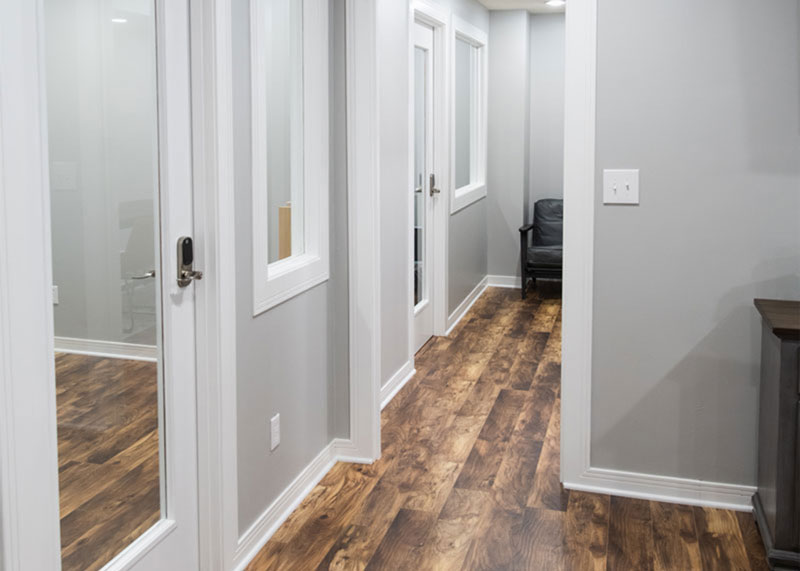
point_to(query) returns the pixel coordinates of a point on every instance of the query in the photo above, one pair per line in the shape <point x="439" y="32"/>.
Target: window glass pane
<point x="464" y="118"/>
<point x="285" y="128"/>
<point x="100" y="62"/>
<point x="420" y="139"/>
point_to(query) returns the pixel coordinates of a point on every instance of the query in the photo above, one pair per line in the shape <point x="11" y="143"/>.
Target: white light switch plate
<point x="621" y="186"/>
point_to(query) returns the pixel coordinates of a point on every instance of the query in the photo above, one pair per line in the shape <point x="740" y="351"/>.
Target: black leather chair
<point x="542" y="255"/>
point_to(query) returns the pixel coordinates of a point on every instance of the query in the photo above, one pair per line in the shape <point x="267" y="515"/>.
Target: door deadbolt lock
<point x="433" y="189"/>
<point x="186" y="273"/>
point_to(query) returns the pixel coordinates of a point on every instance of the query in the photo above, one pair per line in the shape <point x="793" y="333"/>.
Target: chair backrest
<point x="548" y="222"/>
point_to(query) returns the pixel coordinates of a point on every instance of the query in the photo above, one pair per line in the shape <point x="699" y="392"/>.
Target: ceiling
<point x="535" y="6"/>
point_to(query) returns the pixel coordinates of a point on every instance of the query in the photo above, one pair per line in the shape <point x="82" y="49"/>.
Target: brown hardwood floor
<point x="107" y="456"/>
<point x="469" y="474"/>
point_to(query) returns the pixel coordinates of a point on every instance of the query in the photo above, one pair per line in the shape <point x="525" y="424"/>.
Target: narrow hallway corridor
<point x="469" y="476"/>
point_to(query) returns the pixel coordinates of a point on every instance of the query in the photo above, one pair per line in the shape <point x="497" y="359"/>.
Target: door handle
<point x="433" y="189"/>
<point x="186" y="271"/>
<point x="147" y="275"/>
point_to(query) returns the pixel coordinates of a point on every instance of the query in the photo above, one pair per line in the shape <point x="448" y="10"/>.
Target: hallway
<point x="468" y="478"/>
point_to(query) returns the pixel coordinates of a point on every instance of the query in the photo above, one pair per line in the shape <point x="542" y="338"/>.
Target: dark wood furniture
<point x="542" y="253"/>
<point x="777" y="501"/>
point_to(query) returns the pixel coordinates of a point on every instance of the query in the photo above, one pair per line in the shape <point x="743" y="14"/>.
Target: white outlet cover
<point x="274" y="432"/>
<point x="621" y="186"/>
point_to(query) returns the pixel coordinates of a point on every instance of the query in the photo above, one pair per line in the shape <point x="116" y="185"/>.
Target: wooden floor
<point x="107" y="456"/>
<point x="469" y="474"/>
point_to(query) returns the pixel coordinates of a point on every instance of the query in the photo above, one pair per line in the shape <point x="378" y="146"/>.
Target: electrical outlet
<point x="275" y="431"/>
<point x="55" y="295"/>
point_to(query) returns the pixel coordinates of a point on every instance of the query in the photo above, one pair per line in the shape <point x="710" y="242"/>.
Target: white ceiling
<point x="535" y="6"/>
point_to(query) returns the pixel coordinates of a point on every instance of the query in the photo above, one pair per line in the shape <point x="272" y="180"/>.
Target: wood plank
<point x="450" y="538"/>
<point x="675" y="537"/>
<point x="721" y="543"/>
<point x="404" y="539"/>
<point x="539" y="541"/>
<point x="630" y="535"/>
<point x="586" y="531"/>
<point x="493" y="546"/>
<point x="547" y="491"/>
<point x="753" y="544"/>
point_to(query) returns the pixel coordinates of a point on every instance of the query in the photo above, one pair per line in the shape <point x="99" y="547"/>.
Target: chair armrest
<point x="525" y="229"/>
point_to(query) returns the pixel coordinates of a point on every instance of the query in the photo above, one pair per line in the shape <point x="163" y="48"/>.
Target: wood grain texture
<point x="469" y="474"/>
<point x="675" y="537"/>
<point x="107" y="456"/>
<point x="721" y="542"/>
<point x="630" y="535"/>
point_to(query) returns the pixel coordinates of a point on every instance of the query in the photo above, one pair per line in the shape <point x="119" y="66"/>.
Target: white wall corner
<point x="397" y="381"/>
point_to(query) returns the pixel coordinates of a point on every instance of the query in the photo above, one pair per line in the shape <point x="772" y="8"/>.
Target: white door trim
<point x="28" y="445"/>
<point x="579" y="200"/>
<point x="363" y="205"/>
<point x="29" y="528"/>
<point x="212" y="94"/>
<point x="438" y="18"/>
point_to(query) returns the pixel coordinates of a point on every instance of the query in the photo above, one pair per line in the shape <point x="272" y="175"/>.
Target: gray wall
<point x="547" y="108"/>
<point x="394" y="176"/>
<point x="467" y="235"/>
<point x="290" y="360"/>
<point x="704" y="98"/>
<point x="467" y="261"/>
<point x="509" y="101"/>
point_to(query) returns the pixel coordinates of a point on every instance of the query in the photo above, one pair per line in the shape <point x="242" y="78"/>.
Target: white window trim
<point x="476" y="190"/>
<point x="279" y="281"/>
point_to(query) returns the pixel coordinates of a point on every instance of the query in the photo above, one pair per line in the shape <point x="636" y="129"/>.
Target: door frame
<point x="29" y="496"/>
<point x="580" y="109"/>
<point x="438" y="18"/>
<point x="28" y="449"/>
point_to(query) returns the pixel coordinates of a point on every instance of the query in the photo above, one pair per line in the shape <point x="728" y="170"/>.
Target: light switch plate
<point x="621" y="186"/>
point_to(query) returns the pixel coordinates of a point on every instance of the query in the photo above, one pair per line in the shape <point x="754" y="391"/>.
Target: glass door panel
<point x="420" y="153"/>
<point x="102" y="108"/>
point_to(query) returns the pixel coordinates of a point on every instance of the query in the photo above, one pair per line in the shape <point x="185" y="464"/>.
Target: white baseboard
<point x="109" y="349"/>
<point x="397" y="382"/>
<point x="665" y="489"/>
<point x="256" y="537"/>
<point x="505" y="281"/>
<point x="465" y="305"/>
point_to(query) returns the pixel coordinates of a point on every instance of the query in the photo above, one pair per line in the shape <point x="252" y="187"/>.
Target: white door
<point x="118" y="118"/>
<point x="424" y="188"/>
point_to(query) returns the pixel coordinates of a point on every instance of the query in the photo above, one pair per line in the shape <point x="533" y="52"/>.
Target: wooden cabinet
<point x="777" y="501"/>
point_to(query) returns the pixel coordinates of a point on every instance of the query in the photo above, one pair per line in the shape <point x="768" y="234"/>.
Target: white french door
<point x="111" y="123"/>
<point x="425" y="189"/>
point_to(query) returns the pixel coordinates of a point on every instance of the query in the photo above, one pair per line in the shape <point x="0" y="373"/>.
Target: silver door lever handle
<point x="148" y="275"/>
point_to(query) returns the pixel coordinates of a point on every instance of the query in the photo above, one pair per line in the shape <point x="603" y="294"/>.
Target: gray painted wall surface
<point x="547" y="108"/>
<point x="393" y="42"/>
<point x="711" y="116"/>
<point x="467" y="236"/>
<point x="289" y="359"/>
<point x="467" y="263"/>
<point x="508" y="154"/>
